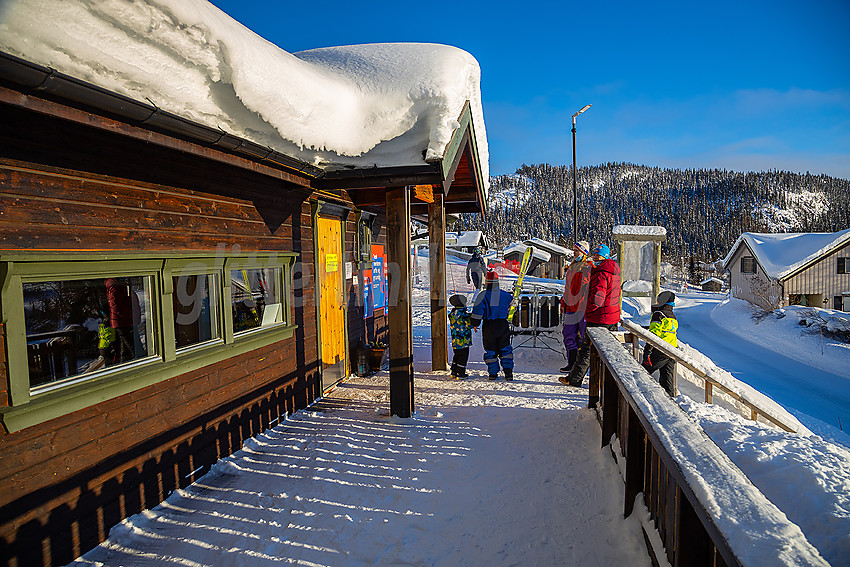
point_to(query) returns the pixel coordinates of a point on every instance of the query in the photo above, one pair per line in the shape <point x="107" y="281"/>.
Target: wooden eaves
<point x="457" y="176"/>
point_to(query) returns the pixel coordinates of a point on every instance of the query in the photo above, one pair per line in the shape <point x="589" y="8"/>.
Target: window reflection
<point x="255" y="298"/>
<point x="195" y="309"/>
<point x="80" y="326"/>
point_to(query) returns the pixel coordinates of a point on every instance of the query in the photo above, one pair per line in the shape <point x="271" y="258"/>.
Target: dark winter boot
<point x="509" y="374"/>
<point x="571" y="359"/>
<point x="493" y="376"/>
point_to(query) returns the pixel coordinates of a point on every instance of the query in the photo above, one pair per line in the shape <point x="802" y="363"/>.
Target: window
<point x="364" y="237"/>
<point x="76" y="327"/>
<point x="844" y="265"/>
<point x="196" y="314"/>
<point x="84" y="328"/>
<point x="748" y="265"/>
<point x="255" y="298"/>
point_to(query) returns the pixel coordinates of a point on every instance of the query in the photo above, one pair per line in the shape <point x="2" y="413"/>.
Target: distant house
<point x="792" y="269"/>
<point x="466" y="241"/>
<point x="513" y="258"/>
<point x="711" y="284"/>
<point x="556" y="265"/>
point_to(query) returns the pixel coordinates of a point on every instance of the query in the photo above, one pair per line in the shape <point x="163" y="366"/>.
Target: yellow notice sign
<point x="331" y="262"/>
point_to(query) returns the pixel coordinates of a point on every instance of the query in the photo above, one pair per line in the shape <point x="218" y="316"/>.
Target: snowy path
<point x="799" y="386"/>
<point x="484" y="473"/>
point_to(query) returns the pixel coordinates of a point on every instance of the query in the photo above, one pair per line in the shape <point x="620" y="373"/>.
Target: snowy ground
<point x="485" y="473"/>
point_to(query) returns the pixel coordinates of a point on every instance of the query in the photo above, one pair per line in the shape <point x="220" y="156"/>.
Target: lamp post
<point x="575" y="189"/>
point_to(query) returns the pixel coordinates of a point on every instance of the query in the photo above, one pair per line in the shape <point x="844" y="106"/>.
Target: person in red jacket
<point x="603" y="307"/>
<point x="574" y="300"/>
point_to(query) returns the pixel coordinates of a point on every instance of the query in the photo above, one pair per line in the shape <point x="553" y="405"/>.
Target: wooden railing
<point x="705" y="510"/>
<point x="635" y="332"/>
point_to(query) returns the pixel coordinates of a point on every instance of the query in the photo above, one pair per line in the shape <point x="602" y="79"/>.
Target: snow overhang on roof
<point x="781" y="256"/>
<point x="520" y="248"/>
<point x="636" y="232"/>
<point x="550" y="246"/>
<point x="410" y="112"/>
<point x="465" y="238"/>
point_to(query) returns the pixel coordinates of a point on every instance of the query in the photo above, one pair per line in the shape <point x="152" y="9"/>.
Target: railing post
<point x="610" y="406"/>
<point x="635" y="456"/>
<point x="593" y="387"/>
<point x="675" y="385"/>
<point x="709" y="392"/>
<point x="693" y="544"/>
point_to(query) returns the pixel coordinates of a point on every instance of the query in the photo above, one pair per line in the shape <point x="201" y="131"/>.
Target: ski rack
<point x="534" y="330"/>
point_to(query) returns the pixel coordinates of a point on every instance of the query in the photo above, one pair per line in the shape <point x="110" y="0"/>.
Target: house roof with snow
<point x="782" y="256"/>
<point x="548" y="246"/>
<point x="706" y="280"/>
<point x="520" y="248"/>
<point x="360" y="116"/>
<point x="466" y="238"/>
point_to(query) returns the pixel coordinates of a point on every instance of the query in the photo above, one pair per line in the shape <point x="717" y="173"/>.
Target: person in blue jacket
<point x="491" y="313"/>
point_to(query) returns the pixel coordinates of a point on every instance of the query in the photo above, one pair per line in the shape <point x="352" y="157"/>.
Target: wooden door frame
<point x="335" y="212"/>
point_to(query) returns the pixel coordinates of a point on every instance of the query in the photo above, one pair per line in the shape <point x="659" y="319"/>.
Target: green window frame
<point x="32" y="405"/>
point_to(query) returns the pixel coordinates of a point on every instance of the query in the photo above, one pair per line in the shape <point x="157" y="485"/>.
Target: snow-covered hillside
<point x="704" y="211"/>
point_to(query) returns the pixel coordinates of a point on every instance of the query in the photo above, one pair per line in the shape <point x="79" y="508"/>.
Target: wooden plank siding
<point x="740" y="284"/>
<point x="819" y="279"/>
<point x="68" y="186"/>
<point x="822" y="278"/>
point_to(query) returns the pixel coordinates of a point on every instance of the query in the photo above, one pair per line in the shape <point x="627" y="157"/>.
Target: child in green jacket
<point x="460" y="324"/>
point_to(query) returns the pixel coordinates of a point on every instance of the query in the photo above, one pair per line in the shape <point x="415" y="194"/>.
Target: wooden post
<point x="656" y="280"/>
<point x="400" y="317"/>
<point x="596" y="374"/>
<point x="709" y="392"/>
<point x="635" y="455"/>
<point x="437" y="270"/>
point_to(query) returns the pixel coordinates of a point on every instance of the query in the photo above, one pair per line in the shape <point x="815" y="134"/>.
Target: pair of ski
<point x="526" y="259"/>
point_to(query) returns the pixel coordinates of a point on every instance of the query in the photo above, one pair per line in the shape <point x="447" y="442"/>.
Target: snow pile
<point x="836" y="324"/>
<point x="781" y="465"/>
<point x="362" y="105"/>
<point x="782" y="254"/>
<point x="755" y="528"/>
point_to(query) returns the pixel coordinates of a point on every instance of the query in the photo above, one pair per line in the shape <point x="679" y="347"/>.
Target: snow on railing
<point x="713" y="377"/>
<point x="705" y="509"/>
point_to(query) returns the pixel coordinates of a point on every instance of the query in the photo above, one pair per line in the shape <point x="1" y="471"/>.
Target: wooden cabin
<point x="775" y="270"/>
<point x="537" y="265"/>
<point x="234" y="276"/>
<point x="555" y="267"/>
<point x="711" y="284"/>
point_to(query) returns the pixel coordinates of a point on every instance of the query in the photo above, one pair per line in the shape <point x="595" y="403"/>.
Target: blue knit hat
<point x="602" y="250"/>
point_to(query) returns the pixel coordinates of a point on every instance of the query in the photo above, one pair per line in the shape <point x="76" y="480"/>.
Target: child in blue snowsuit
<point x="491" y="312"/>
<point x="460" y="323"/>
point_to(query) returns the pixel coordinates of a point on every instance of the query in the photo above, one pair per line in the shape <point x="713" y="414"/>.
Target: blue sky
<point x="744" y="86"/>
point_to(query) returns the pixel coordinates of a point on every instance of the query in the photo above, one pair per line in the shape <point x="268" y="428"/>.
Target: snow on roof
<point x="360" y="105"/>
<point x="706" y="280"/>
<point x="551" y="246"/>
<point x="465" y="238"/>
<point x="519" y="248"/>
<point x="783" y="254"/>
<point x="637" y="230"/>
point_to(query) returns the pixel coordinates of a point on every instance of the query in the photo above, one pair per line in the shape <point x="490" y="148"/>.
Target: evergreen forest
<point x="704" y="211"/>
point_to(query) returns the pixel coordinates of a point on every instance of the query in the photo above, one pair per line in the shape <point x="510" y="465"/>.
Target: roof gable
<point x="783" y="255"/>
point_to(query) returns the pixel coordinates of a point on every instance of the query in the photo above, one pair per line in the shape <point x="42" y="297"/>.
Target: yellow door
<point x="331" y="299"/>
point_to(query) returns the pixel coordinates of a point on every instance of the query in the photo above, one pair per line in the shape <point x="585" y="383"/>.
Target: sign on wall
<point x="375" y="283"/>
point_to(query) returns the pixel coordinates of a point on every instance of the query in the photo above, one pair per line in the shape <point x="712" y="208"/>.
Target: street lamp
<point x="575" y="189"/>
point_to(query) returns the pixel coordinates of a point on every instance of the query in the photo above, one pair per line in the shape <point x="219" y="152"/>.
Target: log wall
<point x="68" y="186"/>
